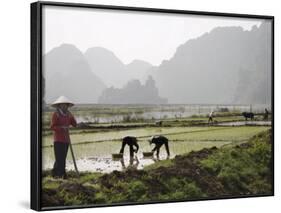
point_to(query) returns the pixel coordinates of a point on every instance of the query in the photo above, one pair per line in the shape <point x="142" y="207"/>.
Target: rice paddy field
<point x="186" y="127"/>
<point x="237" y="169"/>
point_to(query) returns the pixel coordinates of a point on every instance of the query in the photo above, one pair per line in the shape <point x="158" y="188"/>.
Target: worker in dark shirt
<point x="131" y="141"/>
<point x="266" y="113"/>
<point x="159" y="141"/>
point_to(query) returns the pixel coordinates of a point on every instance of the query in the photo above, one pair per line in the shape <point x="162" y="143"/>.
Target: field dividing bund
<point x="173" y="133"/>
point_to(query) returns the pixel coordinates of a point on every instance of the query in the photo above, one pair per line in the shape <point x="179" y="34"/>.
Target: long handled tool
<point x="72" y="154"/>
<point x="73" y="158"/>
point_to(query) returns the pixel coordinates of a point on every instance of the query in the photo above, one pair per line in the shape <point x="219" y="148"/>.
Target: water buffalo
<point x="248" y="115"/>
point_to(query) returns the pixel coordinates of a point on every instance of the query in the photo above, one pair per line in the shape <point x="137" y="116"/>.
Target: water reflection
<point x="96" y="157"/>
<point x="133" y="163"/>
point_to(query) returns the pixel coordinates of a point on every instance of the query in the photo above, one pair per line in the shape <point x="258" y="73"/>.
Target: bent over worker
<point x="61" y="120"/>
<point x="131" y="141"/>
<point x="159" y="141"/>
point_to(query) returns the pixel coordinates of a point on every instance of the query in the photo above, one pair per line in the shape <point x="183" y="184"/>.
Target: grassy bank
<point x="233" y="170"/>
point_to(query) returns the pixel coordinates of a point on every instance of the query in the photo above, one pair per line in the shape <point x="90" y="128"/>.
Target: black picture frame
<point x="36" y="93"/>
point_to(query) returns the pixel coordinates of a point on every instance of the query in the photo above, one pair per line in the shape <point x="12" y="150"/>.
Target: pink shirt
<point x="59" y="121"/>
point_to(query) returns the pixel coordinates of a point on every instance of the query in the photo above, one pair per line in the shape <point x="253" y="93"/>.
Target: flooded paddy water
<point x="245" y="123"/>
<point x="93" y="150"/>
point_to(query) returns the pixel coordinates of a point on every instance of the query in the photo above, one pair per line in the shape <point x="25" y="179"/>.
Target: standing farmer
<point x="266" y="113"/>
<point x="211" y="115"/>
<point x="159" y="141"/>
<point x="61" y="120"/>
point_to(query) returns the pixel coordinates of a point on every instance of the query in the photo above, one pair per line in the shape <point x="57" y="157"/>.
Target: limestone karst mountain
<point x="112" y="70"/>
<point x="67" y="72"/>
<point x="133" y="93"/>
<point x="227" y="65"/>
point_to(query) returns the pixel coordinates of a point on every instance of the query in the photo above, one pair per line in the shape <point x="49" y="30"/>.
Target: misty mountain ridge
<point x="208" y="69"/>
<point x="228" y="65"/>
<point x="67" y="72"/>
<point x="112" y="70"/>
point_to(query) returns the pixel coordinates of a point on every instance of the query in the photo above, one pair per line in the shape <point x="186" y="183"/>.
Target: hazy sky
<point x="152" y="37"/>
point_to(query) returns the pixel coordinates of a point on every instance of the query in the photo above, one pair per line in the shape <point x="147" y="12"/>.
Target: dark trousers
<point x="131" y="149"/>
<point x="157" y="149"/>
<point x="158" y="146"/>
<point x="60" y="150"/>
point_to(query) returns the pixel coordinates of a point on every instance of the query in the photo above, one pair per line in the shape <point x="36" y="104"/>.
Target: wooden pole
<point x="72" y="154"/>
<point x="74" y="161"/>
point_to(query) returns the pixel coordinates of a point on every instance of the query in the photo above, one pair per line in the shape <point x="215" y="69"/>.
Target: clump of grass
<point x="245" y="168"/>
<point x="162" y="163"/>
<point x="128" y="118"/>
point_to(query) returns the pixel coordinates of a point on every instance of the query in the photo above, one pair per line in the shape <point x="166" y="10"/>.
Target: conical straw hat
<point x="62" y="100"/>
